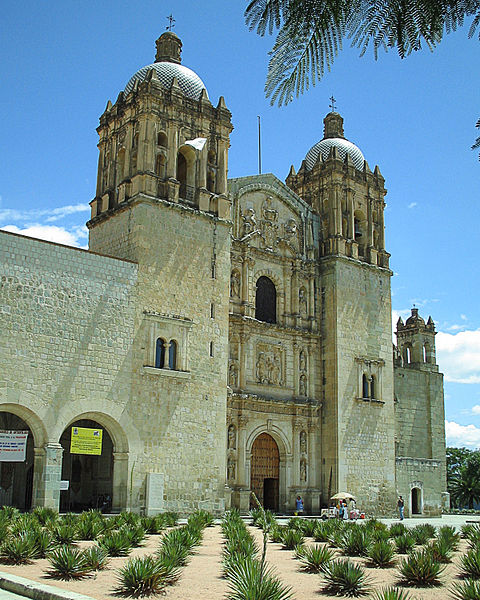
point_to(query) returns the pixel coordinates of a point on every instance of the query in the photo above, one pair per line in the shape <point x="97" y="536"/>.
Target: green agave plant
<point x="381" y="554"/>
<point x="276" y="534"/>
<point x="141" y="577"/>
<point x="292" y="538"/>
<point x="174" y="554"/>
<point x="45" y="515"/>
<point x="450" y="535"/>
<point x="345" y="578"/>
<point x="249" y="581"/>
<point x="422" y="534"/>
<point x="397" y="529"/>
<point x="64" y="532"/>
<point x="323" y="531"/>
<point x="309" y="526"/>
<point x="405" y="543"/>
<point x="116" y="543"/>
<point x="313" y="558"/>
<point x="420" y="568"/>
<point x="391" y="593"/>
<point x="466" y="590"/>
<point x="441" y="550"/>
<point x="43" y="542"/>
<point x="170" y="519"/>
<point x="470" y="563"/>
<point x="19" y="549"/>
<point x="67" y="562"/>
<point x="134" y="533"/>
<point x="355" y="541"/>
<point x="89" y="528"/>
<point x="96" y="558"/>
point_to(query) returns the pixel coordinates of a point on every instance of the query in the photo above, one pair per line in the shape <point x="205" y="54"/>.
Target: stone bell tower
<point x="355" y="317"/>
<point x="162" y="202"/>
<point x="416" y="342"/>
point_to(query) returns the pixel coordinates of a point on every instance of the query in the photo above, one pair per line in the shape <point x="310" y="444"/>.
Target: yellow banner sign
<point x="86" y="441"/>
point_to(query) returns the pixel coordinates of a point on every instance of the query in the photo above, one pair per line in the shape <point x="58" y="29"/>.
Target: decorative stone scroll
<point x="269" y="365"/>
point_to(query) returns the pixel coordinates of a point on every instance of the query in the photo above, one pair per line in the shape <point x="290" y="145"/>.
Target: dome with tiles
<point x="167" y="67"/>
<point x="333" y="138"/>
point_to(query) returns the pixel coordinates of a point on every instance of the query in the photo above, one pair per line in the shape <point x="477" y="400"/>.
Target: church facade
<point x="224" y="336"/>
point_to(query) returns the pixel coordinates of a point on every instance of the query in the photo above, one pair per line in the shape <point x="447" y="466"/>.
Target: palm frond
<point x="265" y="14"/>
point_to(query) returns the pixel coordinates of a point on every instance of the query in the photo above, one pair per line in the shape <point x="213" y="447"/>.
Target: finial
<point x="332" y="103"/>
<point x="169" y="47"/>
<point x="171" y="22"/>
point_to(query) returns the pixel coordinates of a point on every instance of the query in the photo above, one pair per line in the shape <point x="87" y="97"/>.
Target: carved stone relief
<point x="235" y="284"/>
<point x="302" y="379"/>
<point x="269" y="225"/>
<point x="303" y="442"/>
<point x="233" y="375"/>
<point x="302" y="301"/>
<point x="269" y="365"/>
<point x="249" y="222"/>
<point x="303" y="470"/>
<point x="231" y="438"/>
<point x="231" y="469"/>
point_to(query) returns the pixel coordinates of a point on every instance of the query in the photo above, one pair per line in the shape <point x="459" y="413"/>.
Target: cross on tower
<point x="332" y="103"/>
<point x="171" y="22"/>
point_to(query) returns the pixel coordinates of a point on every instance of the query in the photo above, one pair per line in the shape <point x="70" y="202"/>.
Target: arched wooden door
<point x="265" y="465"/>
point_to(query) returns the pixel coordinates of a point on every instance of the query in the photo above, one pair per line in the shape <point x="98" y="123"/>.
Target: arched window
<point x="161" y="139"/>
<point x="372" y="387"/>
<point x="266" y="300"/>
<point x="172" y="355"/>
<point x="160" y="165"/>
<point x="160" y="353"/>
<point x="211" y="171"/>
<point x="181" y="169"/>
<point x="365" y="393"/>
<point x="408" y="355"/>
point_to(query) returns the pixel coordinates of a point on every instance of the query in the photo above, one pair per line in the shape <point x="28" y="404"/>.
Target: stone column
<point x="120" y="481"/>
<point x="171" y="170"/>
<point x="294" y="290"/>
<point x="222" y="168"/>
<point x="49" y="492"/>
<point x="38" y="484"/>
<point x="142" y="164"/>
<point x="242" y="375"/>
<point x="351" y="214"/>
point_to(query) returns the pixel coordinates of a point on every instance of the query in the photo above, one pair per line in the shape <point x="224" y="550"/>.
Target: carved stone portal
<point x="269" y="365"/>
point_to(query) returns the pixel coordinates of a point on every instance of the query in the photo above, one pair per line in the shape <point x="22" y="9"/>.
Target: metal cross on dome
<point x="171" y="23"/>
<point x="332" y="103"/>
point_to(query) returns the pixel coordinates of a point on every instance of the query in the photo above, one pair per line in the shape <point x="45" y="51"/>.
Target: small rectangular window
<point x="212" y="310"/>
<point x="211" y="348"/>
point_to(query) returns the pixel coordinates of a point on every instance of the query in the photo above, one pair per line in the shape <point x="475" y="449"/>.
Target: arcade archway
<point x="16" y="476"/>
<point x="416" y="501"/>
<point x="89" y="476"/>
<point x="265" y="471"/>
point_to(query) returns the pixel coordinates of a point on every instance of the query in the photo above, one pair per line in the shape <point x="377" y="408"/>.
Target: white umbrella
<point x="343" y="496"/>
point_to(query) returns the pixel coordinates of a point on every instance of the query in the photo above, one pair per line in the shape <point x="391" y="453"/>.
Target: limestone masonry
<point x="223" y="337"/>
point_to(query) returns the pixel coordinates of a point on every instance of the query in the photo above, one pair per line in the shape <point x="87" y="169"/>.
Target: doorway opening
<point x="16" y="476"/>
<point x="416" y="501"/>
<point x="89" y="476"/>
<point x="265" y="467"/>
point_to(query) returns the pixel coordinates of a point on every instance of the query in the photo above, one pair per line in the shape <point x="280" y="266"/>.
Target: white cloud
<point x="27" y="217"/>
<point x="476" y="409"/>
<point x="52" y="233"/>
<point x="458" y="356"/>
<point x="412" y="205"/>
<point x="462" y="435"/>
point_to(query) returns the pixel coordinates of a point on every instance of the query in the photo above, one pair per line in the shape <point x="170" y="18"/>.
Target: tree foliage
<point x="463" y="476"/>
<point x="311" y="33"/>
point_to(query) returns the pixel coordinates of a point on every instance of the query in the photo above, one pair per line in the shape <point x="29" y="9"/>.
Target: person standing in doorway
<point x="401" y="508"/>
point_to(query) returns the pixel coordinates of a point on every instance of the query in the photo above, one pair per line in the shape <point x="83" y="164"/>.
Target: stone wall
<point x="67" y="321"/>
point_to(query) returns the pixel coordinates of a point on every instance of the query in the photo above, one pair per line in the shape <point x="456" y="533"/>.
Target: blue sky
<point x="61" y="61"/>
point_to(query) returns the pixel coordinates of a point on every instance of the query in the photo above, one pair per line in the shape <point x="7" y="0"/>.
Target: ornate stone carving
<point x="233" y="375"/>
<point x="302" y="388"/>
<point x="291" y="233"/>
<point x="303" y="470"/>
<point x="269" y="365"/>
<point x="235" y="284"/>
<point x="302" y="301"/>
<point x="231" y="469"/>
<point x="231" y="437"/>
<point x="249" y="222"/>
<point x="303" y="442"/>
<point x="269" y="225"/>
<point x="302" y="361"/>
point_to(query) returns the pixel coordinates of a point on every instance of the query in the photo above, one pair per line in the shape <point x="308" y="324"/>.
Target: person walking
<point x="401" y="508"/>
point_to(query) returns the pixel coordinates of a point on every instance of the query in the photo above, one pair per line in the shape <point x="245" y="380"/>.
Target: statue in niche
<point x="302" y="302"/>
<point x="269" y="224"/>
<point x="303" y="442"/>
<point x="249" y="221"/>
<point x="231" y="437"/>
<point x="302" y="361"/>
<point x="303" y="470"/>
<point x="302" y="388"/>
<point x="261" y="368"/>
<point x="235" y="284"/>
<point x="233" y="375"/>
<point x="231" y="469"/>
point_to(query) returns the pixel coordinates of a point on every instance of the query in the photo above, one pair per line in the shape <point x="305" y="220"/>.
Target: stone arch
<point x="119" y="454"/>
<point x="416" y="500"/>
<point x="266" y="300"/>
<point x="34" y="422"/>
<point x="279" y="287"/>
<point x="186" y="159"/>
<point x="27" y="482"/>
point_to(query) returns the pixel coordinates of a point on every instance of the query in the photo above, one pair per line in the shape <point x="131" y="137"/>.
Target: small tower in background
<point x="416" y="342"/>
